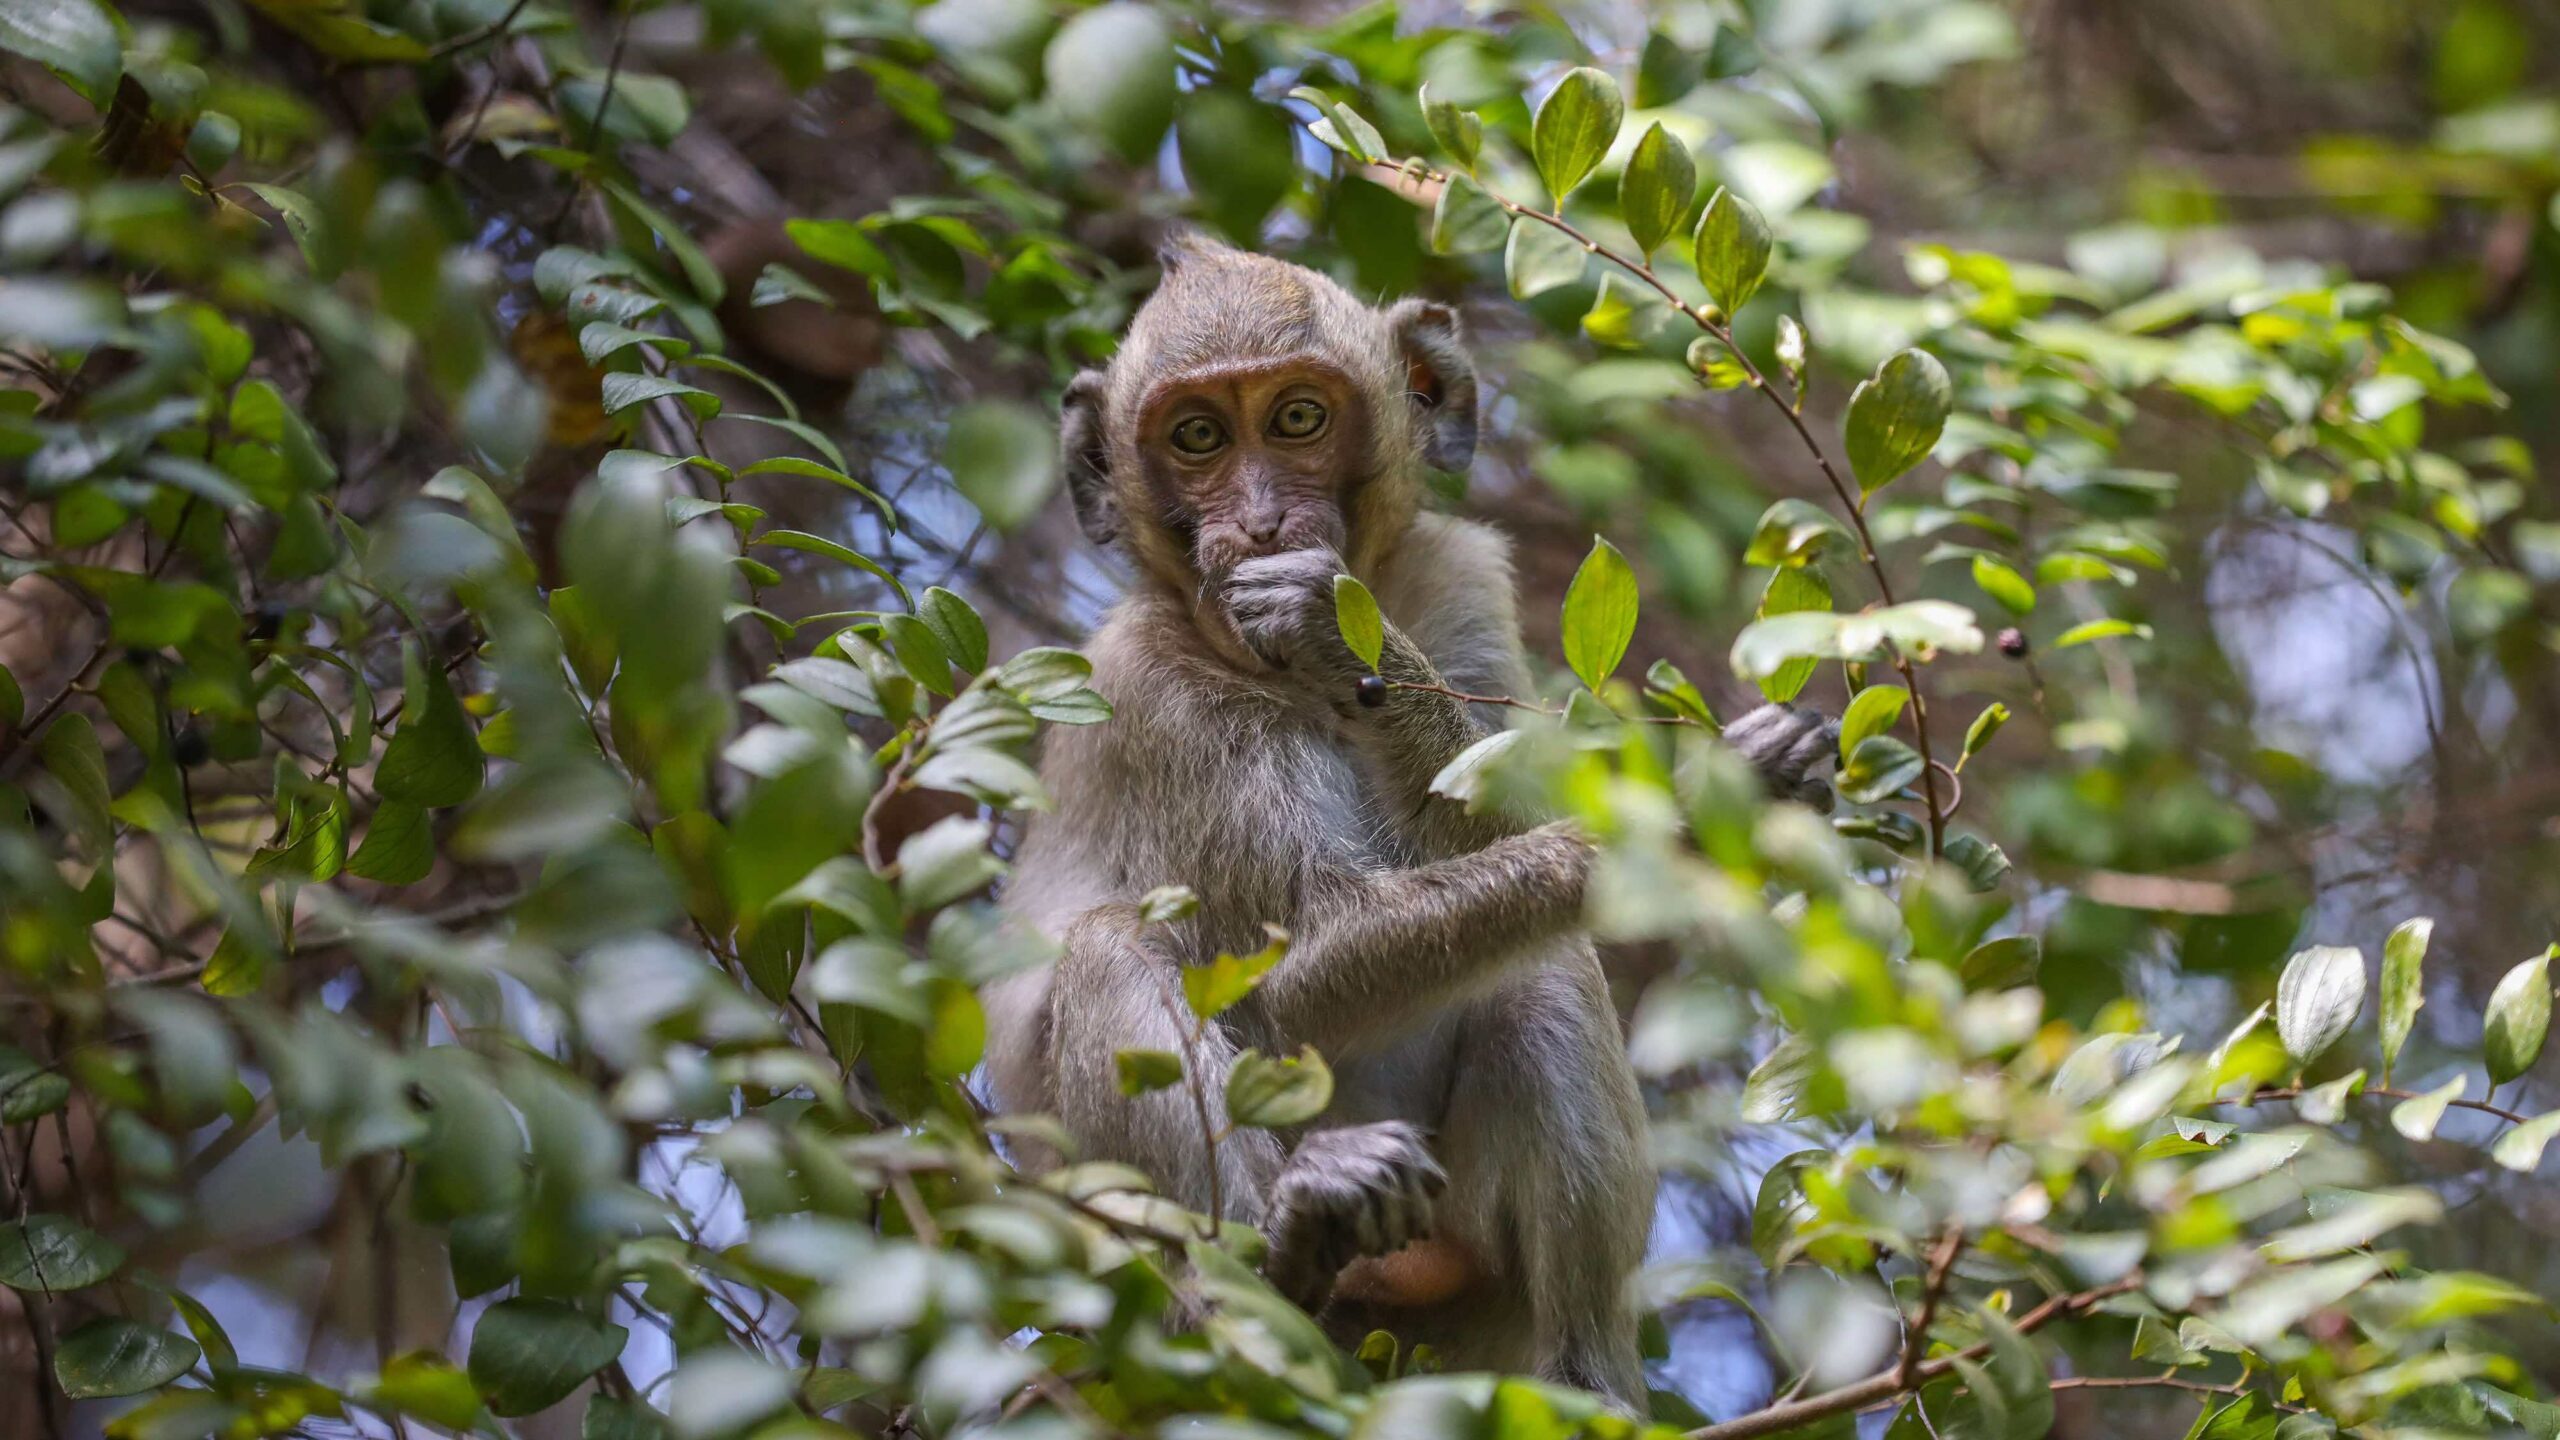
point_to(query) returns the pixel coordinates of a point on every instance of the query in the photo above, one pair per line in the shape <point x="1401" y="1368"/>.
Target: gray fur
<point x="1438" y="961"/>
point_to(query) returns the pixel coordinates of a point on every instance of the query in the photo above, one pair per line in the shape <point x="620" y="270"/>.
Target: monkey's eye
<point x="1297" y="420"/>
<point x="1199" y="435"/>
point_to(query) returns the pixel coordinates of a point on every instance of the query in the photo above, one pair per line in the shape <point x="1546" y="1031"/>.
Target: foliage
<point x="574" y="846"/>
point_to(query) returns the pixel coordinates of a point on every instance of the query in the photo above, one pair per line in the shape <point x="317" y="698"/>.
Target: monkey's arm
<point x="1374" y="951"/>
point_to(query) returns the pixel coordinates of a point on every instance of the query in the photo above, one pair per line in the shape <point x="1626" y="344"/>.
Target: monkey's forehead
<point x="1243" y="310"/>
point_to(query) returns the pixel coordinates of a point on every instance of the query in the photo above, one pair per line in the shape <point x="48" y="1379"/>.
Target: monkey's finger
<point x="1812" y="749"/>
<point x="1422" y="1188"/>
<point x="1753" y="729"/>
<point x="1369" y="1223"/>
<point x="1395" y="1220"/>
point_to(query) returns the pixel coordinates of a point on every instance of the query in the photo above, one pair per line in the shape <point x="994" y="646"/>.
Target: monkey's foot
<point x="1345" y="1194"/>
<point x="1789" y="745"/>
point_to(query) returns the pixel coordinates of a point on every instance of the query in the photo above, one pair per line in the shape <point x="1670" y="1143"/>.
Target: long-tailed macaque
<point x="1480" y="1182"/>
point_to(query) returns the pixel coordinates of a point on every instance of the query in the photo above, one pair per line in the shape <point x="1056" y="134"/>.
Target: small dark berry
<point x="2013" y="643"/>
<point x="266" y="621"/>
<point x="190" y="748"/>
<point x="1372" y="690"/>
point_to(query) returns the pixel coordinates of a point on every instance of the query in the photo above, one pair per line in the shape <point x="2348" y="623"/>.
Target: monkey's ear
<point x="1440" y="381"/>
<point x="1087" y="459"/>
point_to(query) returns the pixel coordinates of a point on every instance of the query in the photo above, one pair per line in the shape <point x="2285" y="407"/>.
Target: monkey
<point x="1479" y="1181"/>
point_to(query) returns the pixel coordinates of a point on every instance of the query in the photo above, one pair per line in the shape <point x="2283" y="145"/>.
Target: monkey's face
<point x="1253" y="457"/>
<point x="1256" y="407"/>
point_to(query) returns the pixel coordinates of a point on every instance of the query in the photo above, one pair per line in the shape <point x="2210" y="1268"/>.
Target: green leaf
<point x="72" y="755"/>
<point x="427" y="1386"/>
<point x="1111" y="70"/>
<point x="399" y="846"/>
<point x="1467" y="220"/>
<point x="1773" y="1093"/>
<point x="1003" y="458"/>
<point x="1619" y="314"/>
<point x="1599" y="614"/>
<point x="1576" y="125"/>
<point x="919" y="651"/>
<point x="1984" y="726"/>
<point x="957" y="626"/>
<point x="2521" y="1148"/>
<point x="1793" y="531"/>
<point x="2403" y="992"/>
<point x="1271" y="1093"/>
<point x="2519" y="1017"/>
<point x="945" y="861"/>
<point x="2417" y="1116"/>
<point x="1167" y="903"/>
<point x="2004" y="584"/>
<point x="2361" y="1220"/>
<point x="433" y="758"/>
<point x="73" y="38"/>
<point x="955" y="1039"/>
<point x="839" y="684"/>
<point x="1458" y="131"/>
<point x="1667" y="687"/>
<point x="1796" y="604"/>
<point x="527" y="1355"/>
<point x="114" y="1356"/>
<point x="1143" y="1070"/>
<point x="610" y="1419"/>
<point x="1731" y="249"/>
<point x="807" y="543"/>
<point x="1341" y="127"/>
<point x="801" y="465"/>
<point x="1872" y="712"/>
<point x="1879" y="768"/>
<point x="29" y="1090"/>
<point x="2103" y="629"/>
<point x="1654" y="191"/>
<point x="843" y="244"/>
<point x="2317" y="998"/>
<point x="1896" y="416"/>
<point x="1213" y="988"/>
<point x="1982" y="862"/>
<point x="48" y="1253"/>
<point x="2001" y="964"/>
<point x="1540" y="258"/>
<point x="1355" y="611"/>
<point x="622" y="390"/>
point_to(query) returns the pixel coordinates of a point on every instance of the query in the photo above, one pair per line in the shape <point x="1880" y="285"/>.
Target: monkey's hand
<point x="1282" y="607"/>
<point x="1789" y="744"/>
<point x="1344" y="1194"/>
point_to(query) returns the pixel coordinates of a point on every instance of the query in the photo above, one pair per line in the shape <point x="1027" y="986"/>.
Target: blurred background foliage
<point x="498" y="780"/>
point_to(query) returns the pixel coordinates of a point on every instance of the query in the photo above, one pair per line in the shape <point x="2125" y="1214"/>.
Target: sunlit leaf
<point x="1575" y="126"/>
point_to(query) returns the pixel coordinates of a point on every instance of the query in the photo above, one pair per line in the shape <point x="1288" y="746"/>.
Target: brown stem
<point x="1915" y="1338"/>
<point x="1529" y="705"/>
<point x="1887" y="1384"/>
<point x="478" y="33"/>
<point x="1702" y="317"/>
<point x="2384" y="1092"/>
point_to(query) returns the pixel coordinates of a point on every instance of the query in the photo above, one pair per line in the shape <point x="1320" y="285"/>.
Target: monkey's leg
<point x="1548" y="1179"/>
<point x="1111" y="992"/>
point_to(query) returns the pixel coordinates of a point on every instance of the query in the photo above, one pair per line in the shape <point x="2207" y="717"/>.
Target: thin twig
<point x="1887" y="1384"/>
<point x="2384" y="1092"/>
<point x="1933" y="1285"/>
<point x="1704" y="318"/>
<point x="478" y="33"/>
